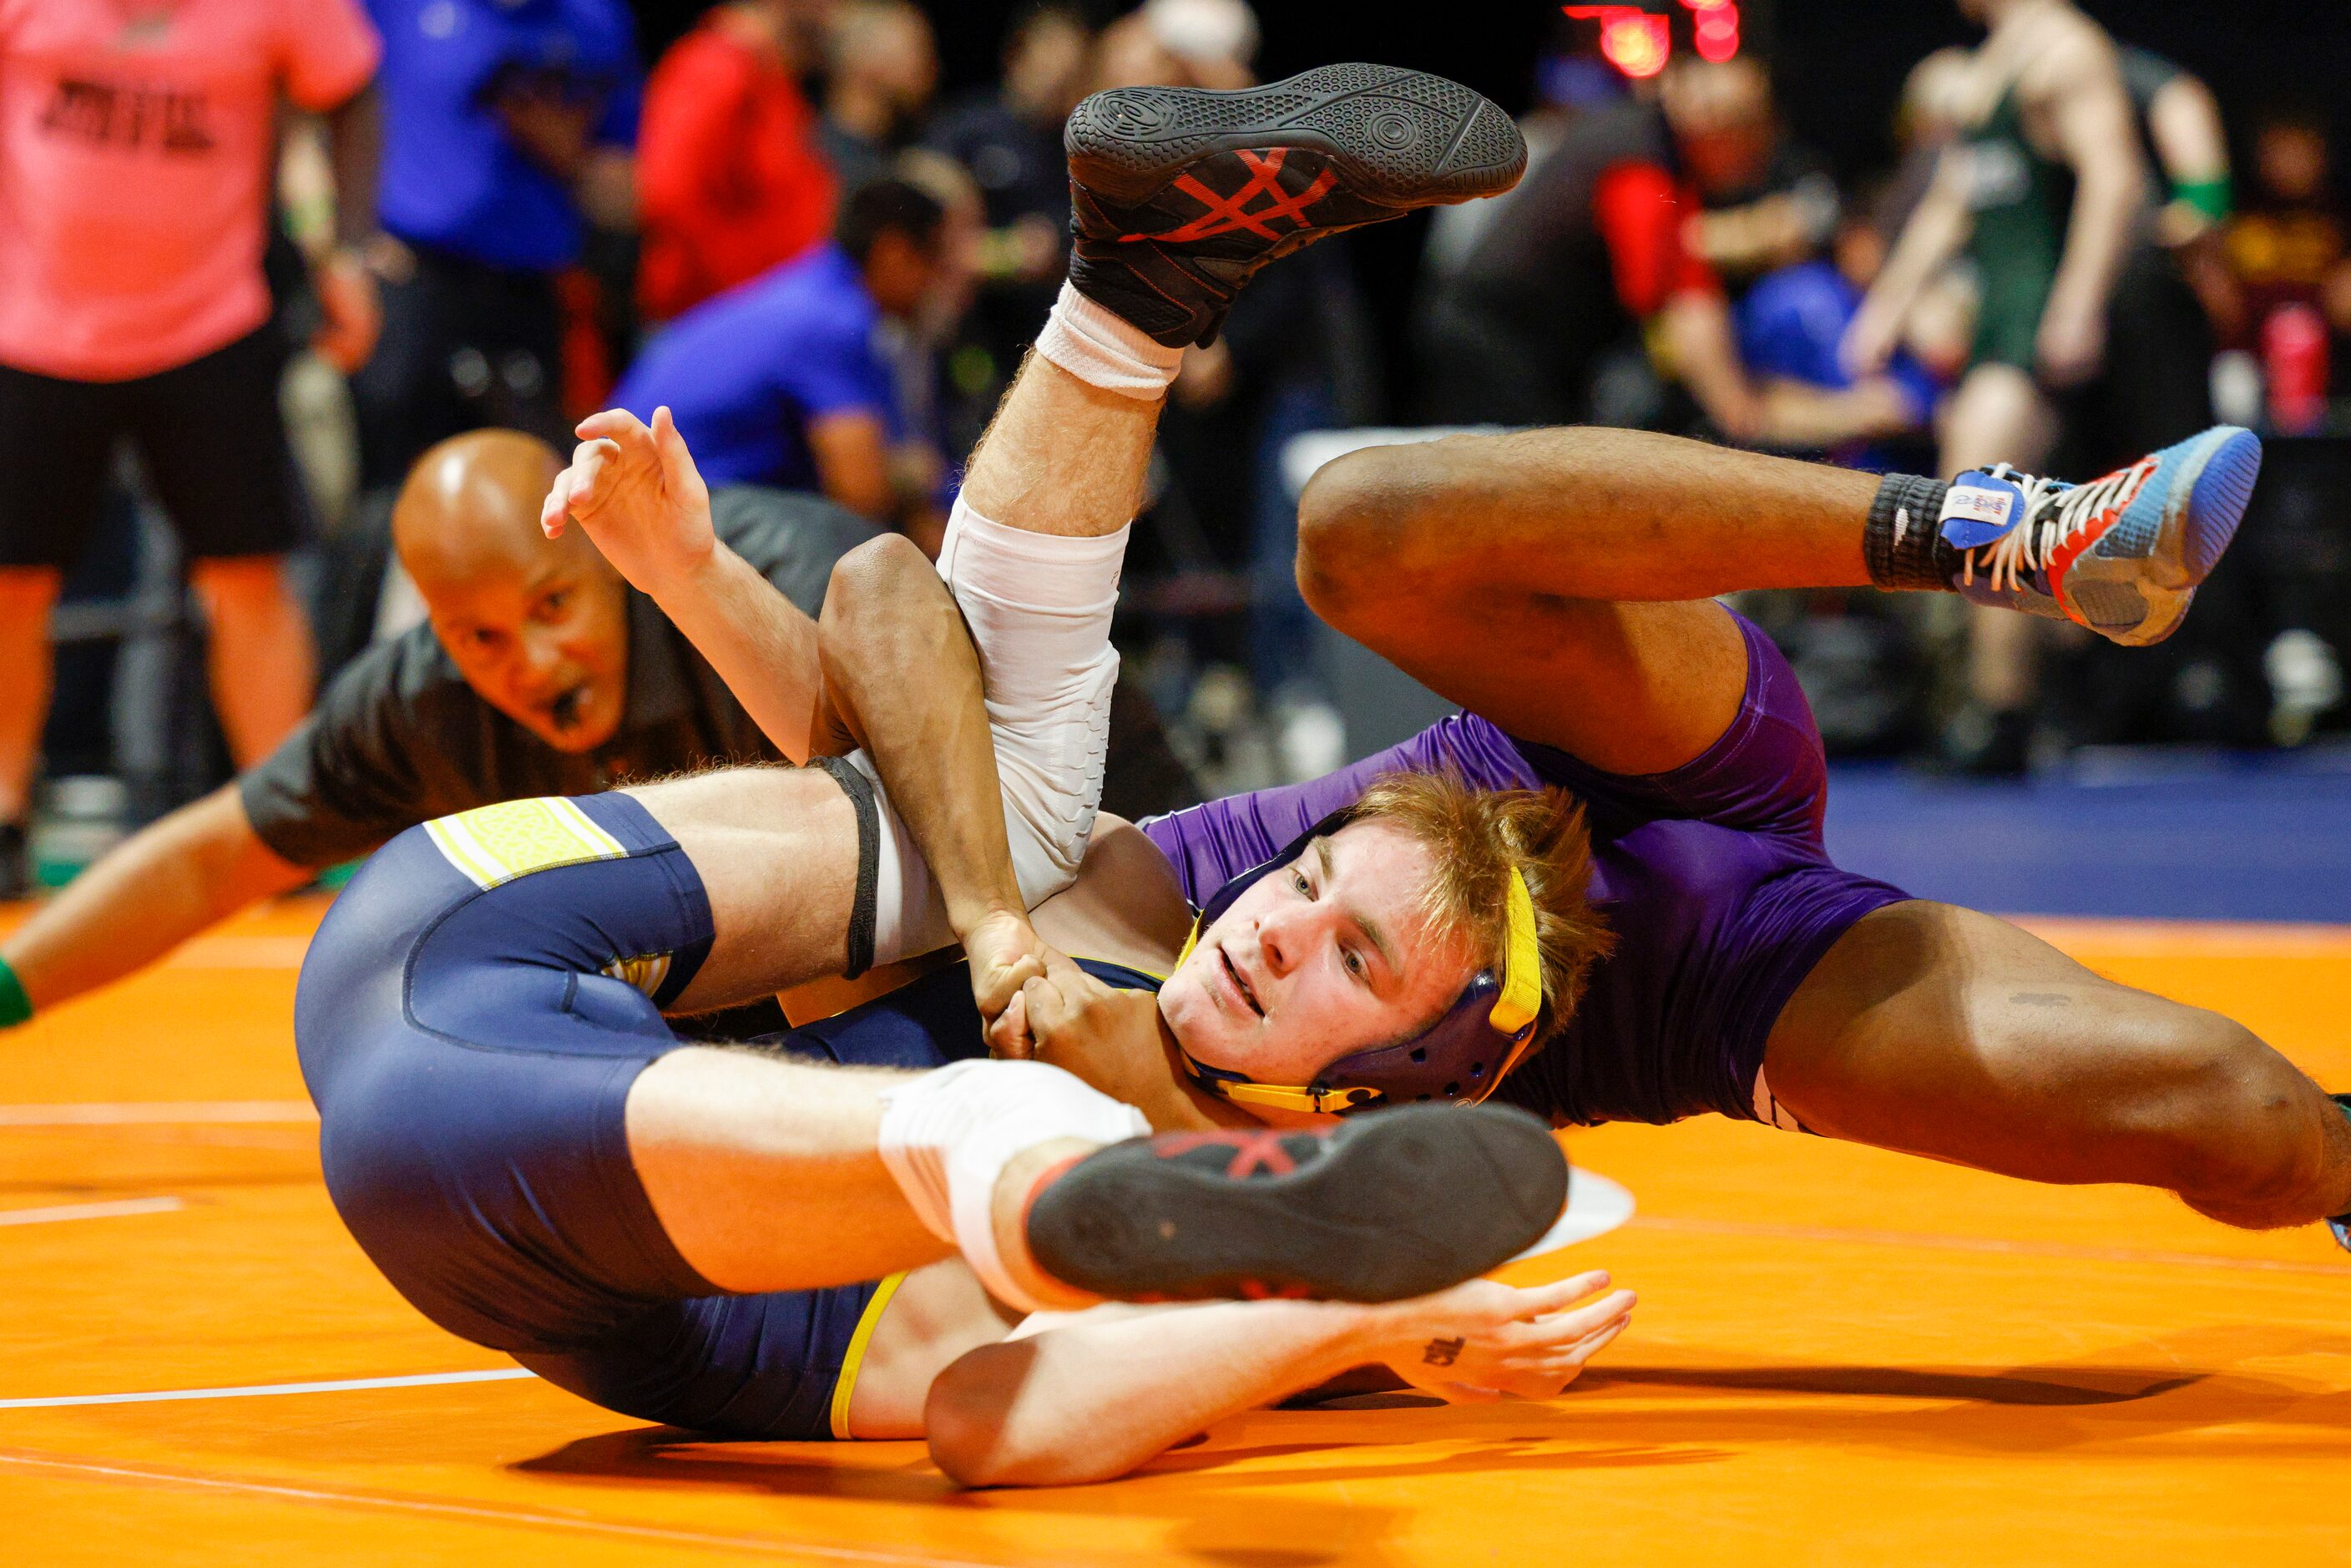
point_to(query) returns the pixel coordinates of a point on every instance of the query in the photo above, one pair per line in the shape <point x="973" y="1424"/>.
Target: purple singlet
<point x="1712" y="876"/>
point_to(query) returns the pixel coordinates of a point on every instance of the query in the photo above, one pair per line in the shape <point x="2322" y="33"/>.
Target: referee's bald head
<point x="470" y="506"/>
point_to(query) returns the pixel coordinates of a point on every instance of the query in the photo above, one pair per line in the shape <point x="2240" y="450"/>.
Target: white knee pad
<point x="946" y="1137"/>
<point x="1040" y="608"/>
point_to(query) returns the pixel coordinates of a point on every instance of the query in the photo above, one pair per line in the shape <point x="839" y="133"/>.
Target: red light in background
<point x="1718" y="33"/>
<point x="1715" y="28"/>
<point x="1630" y="38"/>
<point x="1639" y="44"/>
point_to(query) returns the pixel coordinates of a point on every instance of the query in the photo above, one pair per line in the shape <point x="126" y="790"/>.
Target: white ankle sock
<point x="946" y="1137"/>
<point x="1101" y="347"/>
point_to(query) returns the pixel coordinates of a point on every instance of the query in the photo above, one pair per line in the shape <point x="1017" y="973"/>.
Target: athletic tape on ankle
<point x="1902" y="543"/>
<point x="1103" y="349"/>
<point x="16" y="1007"/>
<point x="946" y="1137"/>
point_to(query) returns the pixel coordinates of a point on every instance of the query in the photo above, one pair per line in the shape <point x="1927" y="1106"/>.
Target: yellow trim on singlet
<point x="495" y="844"/>
<point x="845" y="1386"/>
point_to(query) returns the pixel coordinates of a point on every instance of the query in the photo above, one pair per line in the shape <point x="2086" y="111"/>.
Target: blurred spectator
<point x="1567" y="85"/>
<point x="782" y="381"/>
<point x="1009" y="139"/>
<point x="1765" y="201"/>
<point x="508" y="130"/>
<point x="2156" y="385"/>
<point x="1550" y="317"/>
<point x="1792" y="325"/>
<point x="731" y="178"/>
<point x="136" y="161"/>
<point x="1214" y="40"/>
<point x="2045" y="189"/>
<point x="2288" y="245"/>
<point x="881" y="65"/>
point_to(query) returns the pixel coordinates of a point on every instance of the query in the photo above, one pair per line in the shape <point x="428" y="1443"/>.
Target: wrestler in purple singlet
<point x="1713" y="877"/>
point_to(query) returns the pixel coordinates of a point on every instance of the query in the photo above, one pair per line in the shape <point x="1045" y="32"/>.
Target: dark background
<point x="1839" y="63"/>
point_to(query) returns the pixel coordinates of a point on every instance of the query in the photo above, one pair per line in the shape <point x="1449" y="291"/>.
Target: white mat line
<point x="149" y="1113"/>
<point x="1988" y="1244"/>
<point x="511" y="1518"/>
<point x="263" y="1390"/>
<point x="109" y="1209"/>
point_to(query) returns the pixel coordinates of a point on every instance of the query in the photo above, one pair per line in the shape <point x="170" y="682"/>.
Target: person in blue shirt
<point x="1789" y="325"/>
<point x="788" y="381"/>
<point x="508" y="133"/>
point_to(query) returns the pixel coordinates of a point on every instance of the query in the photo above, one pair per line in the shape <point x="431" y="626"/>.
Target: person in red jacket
<point x="730" y="177"/>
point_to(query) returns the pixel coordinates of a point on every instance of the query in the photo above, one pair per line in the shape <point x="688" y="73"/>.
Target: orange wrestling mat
<point x="1842" y="1356"/>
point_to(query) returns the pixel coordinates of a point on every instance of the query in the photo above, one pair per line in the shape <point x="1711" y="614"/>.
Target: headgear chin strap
<point x="1462" y="1056"/>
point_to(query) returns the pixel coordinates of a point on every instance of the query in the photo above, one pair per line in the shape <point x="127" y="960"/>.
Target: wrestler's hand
<point x="636" y="490"/>
<point x="1113" y="1040"/>
<point x="1481" y="1341"/>
<point x="2070" y="344"/>
<point x="353" y="308"/>
<point x="1005" y="953"/>
<point x="1870" y="340"/>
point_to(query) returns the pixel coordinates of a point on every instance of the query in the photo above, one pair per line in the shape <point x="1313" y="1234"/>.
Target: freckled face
<point x="1318" y="960"/>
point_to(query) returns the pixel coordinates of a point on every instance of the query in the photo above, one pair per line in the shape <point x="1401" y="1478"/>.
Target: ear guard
<point x="1463" y="1055"/>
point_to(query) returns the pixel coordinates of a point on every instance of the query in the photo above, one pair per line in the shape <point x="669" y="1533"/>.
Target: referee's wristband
<point x="16" y="1007"/>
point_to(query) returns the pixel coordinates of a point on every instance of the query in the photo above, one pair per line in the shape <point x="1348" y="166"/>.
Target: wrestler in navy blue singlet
<point x="471" y="1048"/>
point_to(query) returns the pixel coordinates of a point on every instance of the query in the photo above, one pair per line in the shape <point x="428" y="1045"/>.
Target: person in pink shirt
<point x="137" y="149"/>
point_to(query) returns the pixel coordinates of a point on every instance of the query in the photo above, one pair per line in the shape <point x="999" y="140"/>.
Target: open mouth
<point x="565" y="710"/>
<point x="1239" y="983"/>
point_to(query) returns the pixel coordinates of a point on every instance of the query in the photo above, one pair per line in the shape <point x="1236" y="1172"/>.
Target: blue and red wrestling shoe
<point x="2122" y="555"/>
<point x="1385" y="1206"/>
<point x="1180" y="193"/>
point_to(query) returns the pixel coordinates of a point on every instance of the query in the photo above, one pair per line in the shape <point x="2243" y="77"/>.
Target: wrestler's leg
<point x="1522" y="575"/>
<point x="2000" y="414"/>
<point x="998" y="679"/>
<point x="1941" y="1031"/>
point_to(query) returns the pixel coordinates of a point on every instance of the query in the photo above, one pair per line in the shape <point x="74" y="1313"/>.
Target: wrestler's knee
<point x="870" y="579"/>
<point x="1353" y="518"/>
<point x="2231" y="1123"/>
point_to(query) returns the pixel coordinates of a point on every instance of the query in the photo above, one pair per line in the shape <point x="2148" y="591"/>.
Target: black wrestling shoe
<point x="1180" y="193"/>
<point x="1388" y="1204"/>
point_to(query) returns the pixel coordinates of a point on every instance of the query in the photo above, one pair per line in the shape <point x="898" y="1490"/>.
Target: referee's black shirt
<point x="400" y="738"/>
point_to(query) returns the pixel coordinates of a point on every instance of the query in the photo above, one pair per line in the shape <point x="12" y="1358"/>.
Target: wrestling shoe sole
<point x="1397" y="1203"/>
<point x="1400" y="138"/>
<point x="2219" y="487"/>
<point x="2208" y="491"/>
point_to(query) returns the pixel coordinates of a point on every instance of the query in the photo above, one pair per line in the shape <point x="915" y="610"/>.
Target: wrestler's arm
<point x="636" y="491"/>
<point x="145" y="896"/>
<point x="1126" y="907"/>
<point x="1557" y="580"/>
<point x="2079" y="86"/>
<point x="1071" y="1399"/>
<point x="1937" y="228"/>
<point x="902" y="680"/>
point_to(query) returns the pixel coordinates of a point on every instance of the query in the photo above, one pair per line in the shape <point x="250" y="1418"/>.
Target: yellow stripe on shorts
<point x="844" y="1387"/>
<point x="494" y="844"/>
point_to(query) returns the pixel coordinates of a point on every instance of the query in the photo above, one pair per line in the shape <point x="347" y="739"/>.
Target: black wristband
<point x="862" y="912"/>
<point x="1903" y="542"/>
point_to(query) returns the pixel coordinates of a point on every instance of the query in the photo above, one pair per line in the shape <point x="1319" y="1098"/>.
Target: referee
<point x="539" y="673"/>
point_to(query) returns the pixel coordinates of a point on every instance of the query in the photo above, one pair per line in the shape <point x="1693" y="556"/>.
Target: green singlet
<point x="2020" y="202"/>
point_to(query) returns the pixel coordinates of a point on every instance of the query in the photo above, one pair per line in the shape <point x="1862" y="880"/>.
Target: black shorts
<point x="208" y="432"/>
